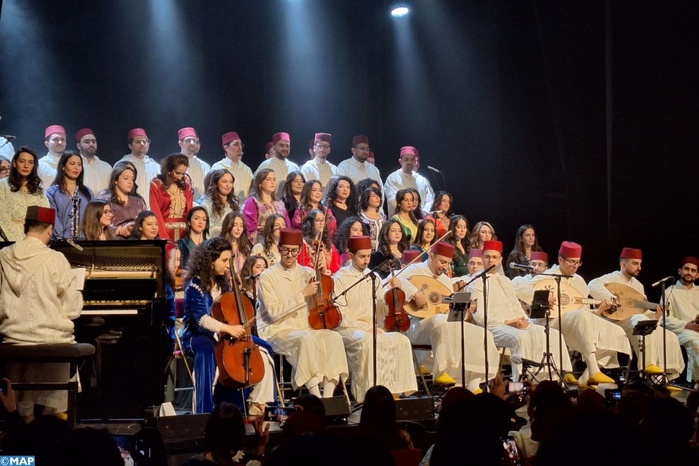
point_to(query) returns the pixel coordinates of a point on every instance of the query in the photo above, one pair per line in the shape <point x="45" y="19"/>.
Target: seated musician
<point x="38" y="301"/>
<point x="683" y="307"/>
<point x="315" y="228"/>
<point x="539" y="261"/>
<point x="629" y="268"/>
<point x="596" y="339"/>
<point x="205" y="281"/>
<point x="395" y="368"/>
<point x="316" y="356"/>
<point x="444" y="336"/>
<point x="507" y="321"/>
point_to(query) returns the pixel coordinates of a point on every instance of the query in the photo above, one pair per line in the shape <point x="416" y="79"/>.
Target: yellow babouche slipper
<point x="423" y="370"/>
<point x="570" y="378"/>
<point x="672" y="388"/>
<point x="599" y="378"/>
<point x="478" y="391"/>
<point x="653" y="369"/>
<point x="445" y="379"/>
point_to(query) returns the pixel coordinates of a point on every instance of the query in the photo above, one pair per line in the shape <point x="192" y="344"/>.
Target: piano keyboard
<point x="109" y="312"/>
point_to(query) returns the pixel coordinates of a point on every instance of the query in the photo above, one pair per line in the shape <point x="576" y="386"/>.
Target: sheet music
<point x="79" y="274"/>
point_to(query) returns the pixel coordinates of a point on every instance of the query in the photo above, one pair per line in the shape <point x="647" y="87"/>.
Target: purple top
<point x="256" y="212"/>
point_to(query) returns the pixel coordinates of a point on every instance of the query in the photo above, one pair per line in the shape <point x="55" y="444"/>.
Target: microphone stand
<point x="373" y="320"/>
<point x="3" y="235"/>
<point x="484" y="275"/>
<point x="663" y="303"/>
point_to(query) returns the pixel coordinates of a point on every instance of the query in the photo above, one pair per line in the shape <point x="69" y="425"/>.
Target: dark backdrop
<point x="577" y="117"/>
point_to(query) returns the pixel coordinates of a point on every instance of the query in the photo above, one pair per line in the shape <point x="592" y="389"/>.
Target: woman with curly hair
<point x="442" y="209"/>
<point x="371" y="213"/>
<point x="97" y="220"/>
<point x="293" y="187"/>
<point x="145" y="226"/>
<point x="233" y="229"/>
<point x="269" y="239"/>
<point x="350" y="227"/>
<point x="311" y="197"/>
<point x="459" y="238"/>
<point x="342" y="199"/>
<point x="314" y="228"/>
<point x="482" y="231"/>
<point x="21" y="189"/>
<point x="196" y="232"/>
<point x="526" y="242"/>
<point x="392" y="243"/>
<point x="404" y="214"/>
<point x="66" y="189"/>
<point x="205" y="280"/>
<point x="171" y="196"/>
<point x="219" y="199"/>
<point x="124" y="199"/>
<point x="261" y="204"/>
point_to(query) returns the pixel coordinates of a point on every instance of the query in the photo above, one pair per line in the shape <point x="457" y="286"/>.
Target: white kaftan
<point x="683" y="305"/>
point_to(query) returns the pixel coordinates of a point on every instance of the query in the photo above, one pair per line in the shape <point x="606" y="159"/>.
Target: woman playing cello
<point x="205" y="281"/>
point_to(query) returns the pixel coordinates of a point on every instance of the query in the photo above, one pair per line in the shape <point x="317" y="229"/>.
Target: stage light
<point x="400" y="11"/>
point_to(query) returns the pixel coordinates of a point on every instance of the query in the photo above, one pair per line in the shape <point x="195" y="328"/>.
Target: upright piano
<point x="123" y="317"/>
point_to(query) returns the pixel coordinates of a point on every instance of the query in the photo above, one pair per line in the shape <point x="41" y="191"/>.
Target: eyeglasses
<point x="238" y="144"/>
<point x="323" y="146"/>
<point x="289" y="252"/>
<point x="140" y="141"/>
<point x="192" y="141"/>
<point x="573" y="263"/>
<point x="4" y="169"/>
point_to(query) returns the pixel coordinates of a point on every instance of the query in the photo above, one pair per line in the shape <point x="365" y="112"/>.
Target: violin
<point x="239" y="362"/>
<point x="323" y="313"/>
<point x="397" y="320"/>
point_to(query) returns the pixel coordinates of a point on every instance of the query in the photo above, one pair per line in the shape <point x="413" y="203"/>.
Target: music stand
<point x="457" y="313"/>
<point x="540" y="309"/>
<point x="643" y="328"/>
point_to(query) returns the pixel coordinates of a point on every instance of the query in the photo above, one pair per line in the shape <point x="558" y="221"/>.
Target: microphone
<point x="9" y="137"/>
<point x="438" y="211"/>
<point x="252" y="277"/>
<point x="662" y="280"/>
<point x="515" y="265"/>
<point x="433" y="169"/>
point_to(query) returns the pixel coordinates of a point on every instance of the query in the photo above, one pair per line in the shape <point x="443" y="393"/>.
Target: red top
<point x="160" y="205"/>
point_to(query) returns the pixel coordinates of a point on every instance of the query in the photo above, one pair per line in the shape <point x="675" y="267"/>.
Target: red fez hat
<point x="475" y="253"/>
<point x="327" y="137"/>
<point x="359" y="242"/>
<point x="570" y="249"/>
<point x="539" y="256"/>
<point x="41" y="214"/>
<point x="281" y="136"/>
<point x="136" y="132"/>
<point x="229" y="137"/>
<point x="443" y="249"/>
<point x="53" y="129"/>
<point x="690" y="260"/>
<point x="409" y="255"/>
<point x="631" y="253"/>
<point x="82" y="133"/>
<point x="492" y="245"/>
<point x="360" y="140"/>
<point x="268" y="146"/>
<point x="408" y="150"/>
<point x="290" y="237"/>
<point x="186" y="133"/>
<point x="170" y="248"/>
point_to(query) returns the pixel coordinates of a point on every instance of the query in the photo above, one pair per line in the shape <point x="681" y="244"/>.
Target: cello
<point x="396" y="320"/>
<point x="323" y="313"/>
<point x="239" y="362"/>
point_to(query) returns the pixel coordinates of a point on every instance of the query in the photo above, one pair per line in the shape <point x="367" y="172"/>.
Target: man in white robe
<point x="38" y="302"/>
<point x="595" y="338"/>
<point x="55" y="142"/>
<point x="242" y="174"/>
<point x="280" y="163"/>
<point x="147" y="168"/>
<point x="316" y="356"/>
<point x="507" y="320"/>
<point x="444" y="336"/>
<point x="189" y="143"/>
<point x="357" y="168"/>
<point x="96" y="172"/>
<point x="539" y="262"/>
<point x="394" y="357"/>
<point x="318" y="168"/>
<point x="682" y="300"/>
<point x="629" y="268"/>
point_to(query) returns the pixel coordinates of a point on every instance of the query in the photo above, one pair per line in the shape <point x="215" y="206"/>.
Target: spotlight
<point x="400" y="11"/>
